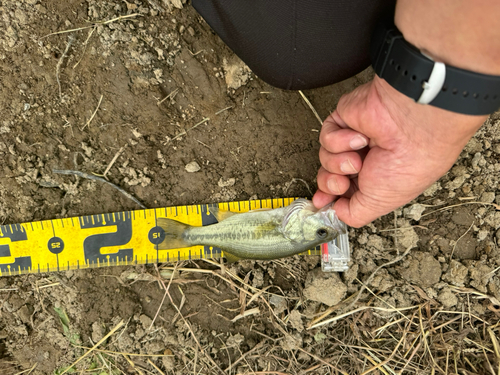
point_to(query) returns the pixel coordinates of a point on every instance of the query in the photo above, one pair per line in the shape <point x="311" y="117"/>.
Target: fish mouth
<point x="330" y="217"/>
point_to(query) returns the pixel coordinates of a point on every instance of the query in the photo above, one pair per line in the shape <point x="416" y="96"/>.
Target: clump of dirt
<point x="147" y="93"/>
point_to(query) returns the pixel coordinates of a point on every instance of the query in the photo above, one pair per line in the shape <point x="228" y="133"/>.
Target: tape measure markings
<point x="121" y="238"/>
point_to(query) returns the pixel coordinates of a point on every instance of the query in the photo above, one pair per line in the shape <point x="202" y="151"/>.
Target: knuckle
<point x="327" y="139"/>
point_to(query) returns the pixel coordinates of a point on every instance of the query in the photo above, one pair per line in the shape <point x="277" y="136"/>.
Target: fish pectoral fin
<point x="230" y="257"/>
<point x="221" y="215"/>
<point x="174" y="231"/>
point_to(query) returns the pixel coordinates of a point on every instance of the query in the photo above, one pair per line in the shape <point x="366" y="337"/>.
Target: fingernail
<point x="358" y="142"/>
<point x="347" y="167"/>
<point x="333" y="186"/>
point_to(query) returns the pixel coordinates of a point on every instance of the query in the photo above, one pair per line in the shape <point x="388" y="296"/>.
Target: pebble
<point x="447" y="298"/>
<point x="324" y="287"/>
<point x="488" y="197"/>
<point x="223" y="182"/>
<point x="192" y="167"/>
<point x="423" y="270"/>
<point x="414" y="212"/>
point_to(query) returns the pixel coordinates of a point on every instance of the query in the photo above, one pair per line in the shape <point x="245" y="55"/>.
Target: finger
<point x="342" y="140"/>
<point x="334" y="120"/>
<point x="351" y="107"/>
<point x="345" y="163"/>
<point x="321" y="199"/>
<point x="333" y="184"/>
<point x="355" y="211"/>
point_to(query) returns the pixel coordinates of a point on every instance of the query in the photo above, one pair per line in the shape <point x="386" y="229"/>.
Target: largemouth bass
<point x="258" y="234"/>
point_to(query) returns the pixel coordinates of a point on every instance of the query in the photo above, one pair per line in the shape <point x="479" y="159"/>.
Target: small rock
<point x="295" y="320"/>
<point x="458" y="170"/>
<point x="457" y="274"/>
<point x="480" y="277"/>
<point x="136" y="133"/>
<point x="258" y="278"/>
<point x="375" y="242"/>
<point x="236" y="72"/>
<point x="235" y="341"/>
<point x="447" y="298"/>
<point x="168" y="360"/>
<point x="192" y="167"/>
<point x="488" y="197"/>
<point x="414" y="212"/>
<point x="407" y="237"/>
<point x="146" y="321"/>
<point x="423" y="270"/>
<point x="176" y="3"/>
<point x="97" y="332"/>
<point x="279" y="304"/>
<point x="493" y="219"/>
<point x="431" y="190"/>
<point x="473" y="146"/>
<point x="324" y="287"/>
<point x="457" y="182"/>
<point x="292" y="342"/>
<point x="226" y="182"/>
<point x="24" y="314"/>
<point x="482" y="234"/>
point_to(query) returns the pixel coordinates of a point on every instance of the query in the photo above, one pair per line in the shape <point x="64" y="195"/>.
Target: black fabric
<point x="295" y="44"/>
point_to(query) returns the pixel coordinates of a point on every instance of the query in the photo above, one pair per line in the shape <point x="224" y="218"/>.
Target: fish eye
<point x="321" y="233"/>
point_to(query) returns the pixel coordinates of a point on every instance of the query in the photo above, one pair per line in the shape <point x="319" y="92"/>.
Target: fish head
<point x="305" y="224"/>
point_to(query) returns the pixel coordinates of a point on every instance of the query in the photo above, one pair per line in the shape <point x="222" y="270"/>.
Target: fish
<point x="261" y="234"/>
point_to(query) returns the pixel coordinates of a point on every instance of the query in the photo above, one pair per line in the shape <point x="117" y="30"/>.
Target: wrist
<point x="460" y="34"/>
<point x="426" y="124"/>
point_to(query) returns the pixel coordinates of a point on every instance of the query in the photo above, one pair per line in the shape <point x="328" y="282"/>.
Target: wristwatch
<point x="427" y="81"/>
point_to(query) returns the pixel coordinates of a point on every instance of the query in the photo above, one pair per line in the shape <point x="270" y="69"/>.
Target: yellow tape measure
<point x="122" y="238"/>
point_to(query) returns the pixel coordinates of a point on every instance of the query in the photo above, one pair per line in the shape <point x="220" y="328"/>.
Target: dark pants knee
<point x="295" y="44"/>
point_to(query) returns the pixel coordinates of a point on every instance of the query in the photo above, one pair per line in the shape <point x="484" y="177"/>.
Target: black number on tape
<point x="92" y="245"/>
<point x="15" y="233"/>
<point x="55" y="245"/>
<point x="156" y="235"/>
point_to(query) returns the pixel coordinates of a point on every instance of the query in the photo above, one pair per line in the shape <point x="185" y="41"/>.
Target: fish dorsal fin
<point x="221" y="215"/>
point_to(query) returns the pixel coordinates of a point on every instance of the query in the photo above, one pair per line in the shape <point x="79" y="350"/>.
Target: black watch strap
<point x="410" y="72"/>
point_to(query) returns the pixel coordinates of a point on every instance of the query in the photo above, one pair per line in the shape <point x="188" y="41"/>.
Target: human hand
<point x="408" y="147"/>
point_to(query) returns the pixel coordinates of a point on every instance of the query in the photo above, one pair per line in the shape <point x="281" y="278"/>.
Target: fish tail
<point x="174" y="234"/>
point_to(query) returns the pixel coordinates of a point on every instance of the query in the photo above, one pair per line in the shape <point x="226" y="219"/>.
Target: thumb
<point x="354" y="211"/>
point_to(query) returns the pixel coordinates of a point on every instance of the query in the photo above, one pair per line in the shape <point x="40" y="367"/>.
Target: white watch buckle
<point x="434" y="84"/>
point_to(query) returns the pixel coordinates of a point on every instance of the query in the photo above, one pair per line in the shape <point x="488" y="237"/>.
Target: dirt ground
<point x="142" y="86"/>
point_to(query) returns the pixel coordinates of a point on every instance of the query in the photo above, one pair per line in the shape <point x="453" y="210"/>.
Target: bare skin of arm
<point x="380" y="149"/>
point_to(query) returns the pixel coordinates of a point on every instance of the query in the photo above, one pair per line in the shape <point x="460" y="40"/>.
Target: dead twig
<point x="93" y="114"/>
<point x="290" y="183"/>
<point x="59" y="63"/>
<point x="169" y="96"/>
<point x="184" y="132"/>
<point x="497" y="207"/>
<point x="93" y="25"/>
<point x="462" y="236"/>
<point x="166" y="292"/>
<point x="311" y="107"/>
<point x="117" y="327"/>
<point x="118" y="153"/>
<point x="92" y="177"/>
<point x="85" y="47"/>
